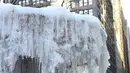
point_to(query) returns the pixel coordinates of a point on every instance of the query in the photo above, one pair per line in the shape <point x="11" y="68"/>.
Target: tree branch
<point x="62" y="3"/>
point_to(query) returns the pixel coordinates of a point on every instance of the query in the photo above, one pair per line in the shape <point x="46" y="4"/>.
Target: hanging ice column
<point x="50" y="40"/>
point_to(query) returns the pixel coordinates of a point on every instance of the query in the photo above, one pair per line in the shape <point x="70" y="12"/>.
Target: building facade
<point x="125" y="40"/>
<point x="128" y="42"/>
<point x="120" y="28"/>
<point x="85" y="7"/>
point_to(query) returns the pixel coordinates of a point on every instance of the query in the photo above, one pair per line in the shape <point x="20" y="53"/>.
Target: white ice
<point x="58" y="37"/>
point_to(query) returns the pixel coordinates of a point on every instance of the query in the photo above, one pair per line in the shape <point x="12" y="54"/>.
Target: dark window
<point x="85" y="11"/>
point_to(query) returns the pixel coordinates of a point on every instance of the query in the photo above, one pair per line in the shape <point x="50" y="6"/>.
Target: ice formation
<point x="63" y="42"/>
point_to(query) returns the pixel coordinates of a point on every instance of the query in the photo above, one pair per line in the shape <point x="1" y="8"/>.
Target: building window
<point x="20" y="3"/>
<point x="73" y="12"/>
<point x="90" y="11"/>
<point x="81" y="2"/>
<point x="90" y="2"/>
<point x="85" y="2"/>
<point x="48" y="0"/>
<point x="81" y="12"/>
<point x="85" y="11"/>
<point x="73" y="5"/>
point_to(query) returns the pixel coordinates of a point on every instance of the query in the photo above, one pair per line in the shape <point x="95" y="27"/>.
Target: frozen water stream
<point x="63" y="42"/>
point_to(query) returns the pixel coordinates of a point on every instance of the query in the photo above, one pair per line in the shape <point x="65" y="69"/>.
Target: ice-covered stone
<point x="63" y="42"/>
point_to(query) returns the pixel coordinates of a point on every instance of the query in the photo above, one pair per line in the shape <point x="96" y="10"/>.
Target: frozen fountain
<point x="50" y="40"/>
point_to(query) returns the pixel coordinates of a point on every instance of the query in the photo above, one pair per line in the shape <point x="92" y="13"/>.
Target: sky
<point x="126" y="9"/>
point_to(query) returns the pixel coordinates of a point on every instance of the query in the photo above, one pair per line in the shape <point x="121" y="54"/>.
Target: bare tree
<point x="62" y="3"/>
<point x="68" y="1"/>
<point x="10" y="1"/>
<point x="65" y="2"/>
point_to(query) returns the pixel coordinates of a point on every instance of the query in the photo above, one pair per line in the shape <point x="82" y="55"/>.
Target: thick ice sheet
<point x="59" y="38"/>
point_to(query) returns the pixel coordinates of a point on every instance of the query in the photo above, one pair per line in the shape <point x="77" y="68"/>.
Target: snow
<point x="55" y="35"/>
